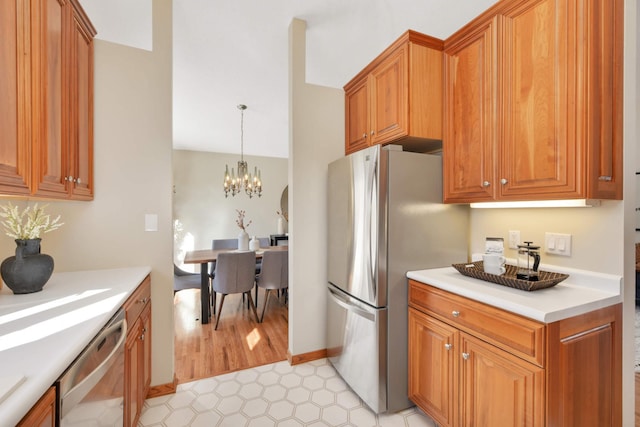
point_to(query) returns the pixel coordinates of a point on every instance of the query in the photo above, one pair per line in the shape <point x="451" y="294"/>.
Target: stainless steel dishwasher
<point x="91" y="390"/>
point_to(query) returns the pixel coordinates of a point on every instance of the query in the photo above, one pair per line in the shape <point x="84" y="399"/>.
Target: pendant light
<point x="244" y="180"/>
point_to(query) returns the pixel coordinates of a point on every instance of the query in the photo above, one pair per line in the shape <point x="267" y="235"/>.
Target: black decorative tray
<point x="546" y="279"/>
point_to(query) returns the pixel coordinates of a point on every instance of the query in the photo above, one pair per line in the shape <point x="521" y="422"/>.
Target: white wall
<point x="203" y="211"/>
<point x="132" y="177"/>
<point x="631" y="134"/>
<point x="316" y="117"/>
<point x="590" y="228"/>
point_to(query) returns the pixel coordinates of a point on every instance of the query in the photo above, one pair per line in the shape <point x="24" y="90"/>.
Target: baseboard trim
<point x="170" y="388"/>
<point x="306" y="357"/>
<point x="163" y="389"/>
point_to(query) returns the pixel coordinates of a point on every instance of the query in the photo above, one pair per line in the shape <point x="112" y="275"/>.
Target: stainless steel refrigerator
<point x="385" y="217"/>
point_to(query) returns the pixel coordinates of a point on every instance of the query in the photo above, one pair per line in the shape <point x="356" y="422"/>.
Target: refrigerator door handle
<point x="350" y="307"/>
<point x="373" y="223"/>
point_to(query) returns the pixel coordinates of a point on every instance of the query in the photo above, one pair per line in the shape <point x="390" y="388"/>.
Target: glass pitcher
<point x="528" y="261"/>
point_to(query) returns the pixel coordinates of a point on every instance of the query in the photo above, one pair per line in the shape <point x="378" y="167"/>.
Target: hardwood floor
<point x="239" y="342"/>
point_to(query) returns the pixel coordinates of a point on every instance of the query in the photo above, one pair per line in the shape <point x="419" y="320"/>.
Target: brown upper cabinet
<point x="46" y="121"/>
<point x="533" y="103"/>
<point x="397" y="97"/>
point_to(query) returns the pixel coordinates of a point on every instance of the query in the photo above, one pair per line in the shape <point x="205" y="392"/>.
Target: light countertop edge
<point x="42" y="333"/>
<point x="582" y="292"/>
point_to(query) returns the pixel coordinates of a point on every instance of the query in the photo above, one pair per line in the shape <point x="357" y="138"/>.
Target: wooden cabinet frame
<point x="533" y="103"/>
<point x="468" y="366"/>
<point x="49" y="131"/>
<point x="397" y="97"/>
<point x="137" y="352"/>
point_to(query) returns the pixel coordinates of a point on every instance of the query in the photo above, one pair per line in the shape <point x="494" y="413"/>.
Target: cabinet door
<point x="432" y="367"/>
<point x="14" y="95"/>
<point x="43" y="413"/>
<point x="133" y="355"/>
<point x="469" y="143"/>
<point x="81" y="112"/>
<point x="497" y="388"/>
<point x="604" y="112"/>
<point x="540" y="154"/>
<point x="585" y="369"/>
<point x="50" y="97"/>
<point x="389" y="98"/>
<point x="146" y="353"/>
<point x="357" y="116"/>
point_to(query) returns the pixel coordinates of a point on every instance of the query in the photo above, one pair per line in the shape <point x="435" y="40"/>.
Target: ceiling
<point x="230" y="52"/>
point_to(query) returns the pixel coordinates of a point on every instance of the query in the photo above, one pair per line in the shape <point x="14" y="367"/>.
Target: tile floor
<point x="309" y="394"/>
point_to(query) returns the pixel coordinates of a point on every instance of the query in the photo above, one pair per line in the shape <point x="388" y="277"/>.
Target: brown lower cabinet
<point x="137" y="359"/>
<point x="43" y="413"/>
<point x="471" y="364"/>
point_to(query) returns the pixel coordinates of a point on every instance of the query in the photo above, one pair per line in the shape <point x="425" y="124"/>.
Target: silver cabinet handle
<point x="455" y="313"/>
<point x="364" y="135"/>
<point x="448" y="346"/>
<point x="604" y="178"/>
<point x="465" y="356"/>
<point x="503" y="181"/>
<point x="373" y="132"/>
<point x="486" y="183"/>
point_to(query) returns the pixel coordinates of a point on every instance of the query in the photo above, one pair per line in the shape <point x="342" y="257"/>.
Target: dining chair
<point x="264" y="242"/>
<point x="219" y="244"/>
<point x="274" y="275"/>
<point x="184" y="280"/>
<point x="235" y="274"/>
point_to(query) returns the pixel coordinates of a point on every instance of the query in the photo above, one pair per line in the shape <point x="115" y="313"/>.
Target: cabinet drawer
<point x="137" y="301"/>
<point x="520" y="336"/>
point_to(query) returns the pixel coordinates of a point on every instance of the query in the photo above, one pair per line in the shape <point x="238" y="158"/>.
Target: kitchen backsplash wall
<point x="597" y="237"/>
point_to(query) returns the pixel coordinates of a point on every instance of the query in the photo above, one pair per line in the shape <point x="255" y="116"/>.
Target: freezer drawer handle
<point x="80" y="390"/>
<point x="357" y="310"/>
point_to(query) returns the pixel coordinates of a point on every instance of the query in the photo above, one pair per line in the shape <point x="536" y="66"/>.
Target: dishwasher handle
<point x="78" y="391"/>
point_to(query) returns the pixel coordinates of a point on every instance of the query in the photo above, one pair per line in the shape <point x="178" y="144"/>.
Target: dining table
<point x="204" y="257"/>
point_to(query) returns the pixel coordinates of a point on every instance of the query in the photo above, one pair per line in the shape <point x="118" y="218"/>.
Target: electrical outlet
<point x="514" y="239"/>
<point x="557" y="244"/>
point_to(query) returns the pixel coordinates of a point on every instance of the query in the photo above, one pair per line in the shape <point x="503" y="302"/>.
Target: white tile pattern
<point x="310" y="394"/>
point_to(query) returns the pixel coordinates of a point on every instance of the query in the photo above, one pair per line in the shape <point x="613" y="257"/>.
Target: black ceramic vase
<point x="28" y="270"/>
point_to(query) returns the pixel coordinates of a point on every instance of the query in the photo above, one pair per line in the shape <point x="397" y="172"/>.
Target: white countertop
<point x="43" y="332"/>
<point x="581" y="292"/>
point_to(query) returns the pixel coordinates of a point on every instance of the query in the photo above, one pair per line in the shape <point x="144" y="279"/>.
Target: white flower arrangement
<point x="37" y="222"/>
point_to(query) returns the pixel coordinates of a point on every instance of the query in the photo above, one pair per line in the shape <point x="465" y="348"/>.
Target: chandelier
<point x="252" y="184"/>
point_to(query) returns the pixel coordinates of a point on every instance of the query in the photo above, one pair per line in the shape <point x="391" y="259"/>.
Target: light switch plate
<point x="557" y="244"/>
<point x="150" y="222"/>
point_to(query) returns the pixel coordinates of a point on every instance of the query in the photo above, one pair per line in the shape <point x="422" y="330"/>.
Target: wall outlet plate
<point x="557" y="244"/>
<point x="514" y="239"/>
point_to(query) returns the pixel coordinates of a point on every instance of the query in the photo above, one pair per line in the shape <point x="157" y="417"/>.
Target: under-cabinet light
<point x="577" y="203"/>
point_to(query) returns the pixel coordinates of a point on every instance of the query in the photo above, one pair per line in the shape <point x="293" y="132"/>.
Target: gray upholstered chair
<point x="184" y="279"/>
<point x="264" y="243"/>
<point x="274" y="275"/>
<point x="219" y="244"/>
<point x="235" y="274"/>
